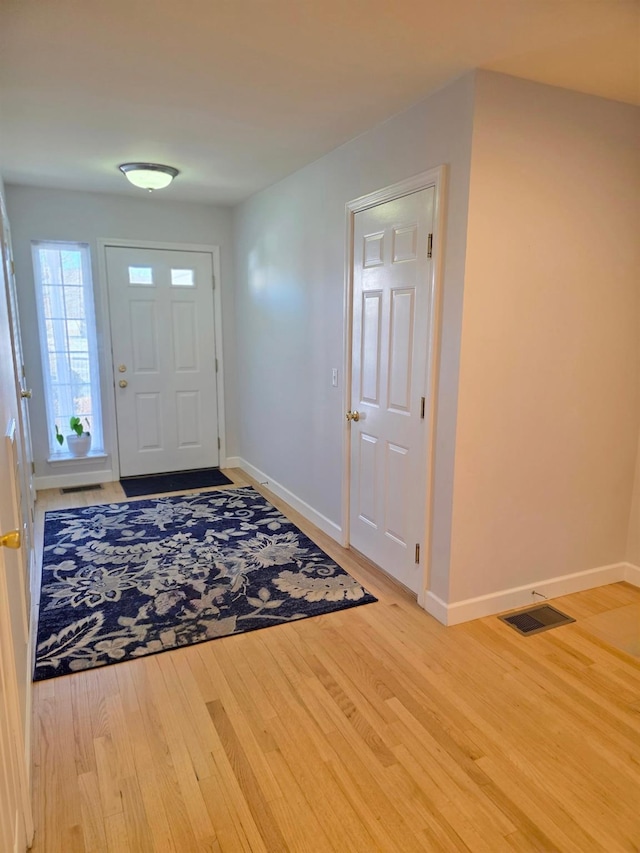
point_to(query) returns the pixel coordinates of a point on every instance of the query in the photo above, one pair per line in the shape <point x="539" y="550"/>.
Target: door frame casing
<point x="109" y="412"/>
<point x="436" y="178"/>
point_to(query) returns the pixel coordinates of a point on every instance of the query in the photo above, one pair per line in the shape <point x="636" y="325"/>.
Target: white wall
<point x="290" y="266"/>
<point x="548" y="409"/>
<point x="46" y="214"/>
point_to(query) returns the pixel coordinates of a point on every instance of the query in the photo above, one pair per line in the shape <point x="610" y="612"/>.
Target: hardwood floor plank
<point x="121" y="738"/>
<point x="449" y="777"/>
<point x="338" y="819"/>
<point x="108" y="776"/>
<point x="372" y="729"/>
<point x="454" y="814"/>
<point x="550" y="818"/>
<point x="191" y="729"/>
<point x="296" y="819"/>
<point x="93" y="829"/>
<point x="173" y="724"/>
<point x="374" y="799"/>
<point x="242" y="731"/>
<point x="253" y="794"/>
<point x="82" y="734"/>
<point x="116" y="831"/>
<point x="163" y="835"/>
<point x="139" y="832"/>
<point x="227" y="824"/>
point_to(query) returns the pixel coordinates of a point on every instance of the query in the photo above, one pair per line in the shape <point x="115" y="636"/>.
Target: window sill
<point x="68" y="457"/>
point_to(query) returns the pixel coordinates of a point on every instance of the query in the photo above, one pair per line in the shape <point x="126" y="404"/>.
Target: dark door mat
<point x="176" y="481"/>
<point x="534" y="620"/>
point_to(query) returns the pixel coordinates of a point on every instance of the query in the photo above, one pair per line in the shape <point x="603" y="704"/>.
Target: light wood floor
<point x="372" y="729"/>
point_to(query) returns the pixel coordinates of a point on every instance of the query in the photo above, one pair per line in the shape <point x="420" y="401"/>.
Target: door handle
<point x="123" y="383"/>
<point x="353" y="416"/>
<point x="26" y="395"/>
<point x="122" y="368"/>
<point x="11" y="540"/>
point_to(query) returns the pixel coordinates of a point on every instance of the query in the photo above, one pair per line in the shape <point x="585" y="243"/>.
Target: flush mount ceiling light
<point x="149" y="176"/>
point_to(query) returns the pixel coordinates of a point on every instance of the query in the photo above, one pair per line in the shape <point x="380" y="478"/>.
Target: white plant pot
<point x="79" y="445"/>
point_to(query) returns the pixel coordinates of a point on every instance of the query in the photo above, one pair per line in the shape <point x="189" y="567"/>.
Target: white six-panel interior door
<point x="391" y="276"/>
<point x="164" y="359"/>
<point x="16" y="665"/>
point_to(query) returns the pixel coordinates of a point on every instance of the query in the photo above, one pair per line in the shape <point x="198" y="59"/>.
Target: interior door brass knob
<point x="11" y="540"/>
<point x="26" y="395"/>
<point x="123" y="383"/>
<point x="353" y="416"/>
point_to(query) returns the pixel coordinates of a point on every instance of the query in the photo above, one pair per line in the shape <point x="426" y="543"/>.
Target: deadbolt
<point x="122" y="368"/>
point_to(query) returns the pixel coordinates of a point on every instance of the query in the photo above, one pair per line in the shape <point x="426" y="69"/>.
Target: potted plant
<point x="78" y="440"/>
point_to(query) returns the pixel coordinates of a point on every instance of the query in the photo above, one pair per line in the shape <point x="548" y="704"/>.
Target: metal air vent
<point x="534" y="620"/>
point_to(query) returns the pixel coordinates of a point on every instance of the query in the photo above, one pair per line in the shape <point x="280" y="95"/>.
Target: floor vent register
<point x="534" y="620"/>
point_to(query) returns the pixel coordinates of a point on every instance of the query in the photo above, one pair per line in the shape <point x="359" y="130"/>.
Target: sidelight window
<point x="68" y="341"/>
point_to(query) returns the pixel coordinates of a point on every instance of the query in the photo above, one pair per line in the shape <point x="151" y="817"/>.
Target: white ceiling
<point x="239" y="93"/>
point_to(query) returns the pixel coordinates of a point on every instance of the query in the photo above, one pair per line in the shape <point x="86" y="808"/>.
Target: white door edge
<point x="104" y="345"/>
<point x="436" y="178"/>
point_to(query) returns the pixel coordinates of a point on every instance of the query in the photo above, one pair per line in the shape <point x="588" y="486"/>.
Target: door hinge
<point x="423" y="401"/>
<point x="219" y="443"/>
<point x="213" y="282"/>
<point x="216" y="365"/>
<point x="430" y="245"/>
<point x="417" y="553"/>
<point x="33" y="467"/>
<point x="13" y="268"/>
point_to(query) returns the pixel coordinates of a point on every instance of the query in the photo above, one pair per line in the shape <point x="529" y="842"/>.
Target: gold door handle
<point x="122" y="368"/>
<point x="353" y="416"/>
<point x="26" y="395"/>
<point x="11" y="540"/>
<point x="123" y="383"/>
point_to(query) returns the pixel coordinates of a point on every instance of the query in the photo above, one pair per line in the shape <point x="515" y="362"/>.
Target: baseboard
<point x="632" y="574"/>
<point x="509" y="599"/>
<point x="66" y="481"/>
<point x="325" y="524"/>
<point x="231" y="462"/>
<point x="434" y="606"/>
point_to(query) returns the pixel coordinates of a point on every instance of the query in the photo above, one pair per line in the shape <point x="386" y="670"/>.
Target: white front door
<point x="163" y="345"/>
<point x="391" y="303"/>
<point x="15" y="633"/>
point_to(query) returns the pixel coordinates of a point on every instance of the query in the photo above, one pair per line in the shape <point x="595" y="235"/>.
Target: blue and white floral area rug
<point x="124" y="580"/>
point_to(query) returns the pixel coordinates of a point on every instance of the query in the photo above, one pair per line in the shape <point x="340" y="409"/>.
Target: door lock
<point x="26" y="395"/>
<point x="11" y="540"/>
<point x="122" y="368"/>
<point x="123" y="383"/>
<point x="353" y="416"/>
